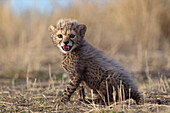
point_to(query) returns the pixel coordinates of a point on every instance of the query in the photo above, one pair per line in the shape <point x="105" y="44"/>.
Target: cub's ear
<point x="82" y="29"/>
<point x="51" y="28"/>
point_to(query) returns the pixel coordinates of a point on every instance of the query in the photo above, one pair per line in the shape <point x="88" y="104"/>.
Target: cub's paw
<point x="140" y="101"/>
<point x="81" y="101"/>
<point x="61" y="103"/>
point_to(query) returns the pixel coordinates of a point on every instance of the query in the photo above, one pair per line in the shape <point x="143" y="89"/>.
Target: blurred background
<point x="134" y="32"/>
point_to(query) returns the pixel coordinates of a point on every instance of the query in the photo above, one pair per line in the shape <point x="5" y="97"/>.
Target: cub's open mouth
<point x="66" y="47"/>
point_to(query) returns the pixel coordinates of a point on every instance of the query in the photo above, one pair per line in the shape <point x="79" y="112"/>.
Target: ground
<point x="41" y="95"/>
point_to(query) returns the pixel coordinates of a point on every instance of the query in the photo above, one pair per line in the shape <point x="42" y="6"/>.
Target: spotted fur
<point x="86" y="64"/>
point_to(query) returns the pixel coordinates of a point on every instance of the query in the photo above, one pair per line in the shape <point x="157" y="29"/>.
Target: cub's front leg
<point x="74" y="82"/>
<point x="80" y="92"/>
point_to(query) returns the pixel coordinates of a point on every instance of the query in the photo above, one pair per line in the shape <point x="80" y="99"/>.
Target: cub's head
<point x="67" y="34"/>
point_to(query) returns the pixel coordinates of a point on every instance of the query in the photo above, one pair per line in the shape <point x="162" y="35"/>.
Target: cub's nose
<point x="66" y="42"/>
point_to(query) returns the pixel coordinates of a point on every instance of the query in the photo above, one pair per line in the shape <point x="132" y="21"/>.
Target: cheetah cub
<point x="88" y="66"/>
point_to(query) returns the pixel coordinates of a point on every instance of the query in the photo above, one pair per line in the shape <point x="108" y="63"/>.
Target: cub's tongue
<point x="66" y="47"/>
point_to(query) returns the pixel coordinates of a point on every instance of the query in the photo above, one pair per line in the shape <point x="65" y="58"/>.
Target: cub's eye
<point x="72" y="36"/>
<point x="60" y="36"/>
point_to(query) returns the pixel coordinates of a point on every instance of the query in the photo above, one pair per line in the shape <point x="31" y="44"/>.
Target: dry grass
<point x="120" y="28"/>
<point x="41" y="96"/>
<point x="136" y="33"/>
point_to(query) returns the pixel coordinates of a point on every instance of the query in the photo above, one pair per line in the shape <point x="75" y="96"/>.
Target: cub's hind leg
<point x="126" y="84"/>
<point x="137" y="96"/>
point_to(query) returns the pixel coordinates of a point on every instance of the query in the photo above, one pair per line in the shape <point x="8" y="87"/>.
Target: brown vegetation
<point x="124" y="27"/>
